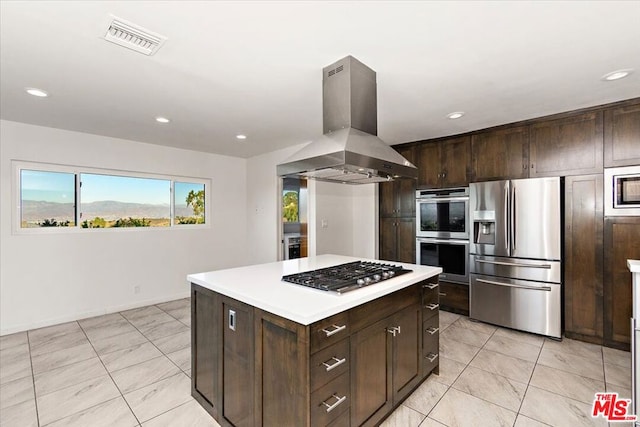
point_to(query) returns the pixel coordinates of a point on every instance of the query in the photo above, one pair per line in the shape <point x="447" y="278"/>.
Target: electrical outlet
<point x="324" y="223"/>
<point x="136" y="289"/>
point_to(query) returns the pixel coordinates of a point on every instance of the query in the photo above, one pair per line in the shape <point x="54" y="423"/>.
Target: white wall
<point x="52" y="278"/>
<point x="346" y="219"/>
<point x="263" y="229"/>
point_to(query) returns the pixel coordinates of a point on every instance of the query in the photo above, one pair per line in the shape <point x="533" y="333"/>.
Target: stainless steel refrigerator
<point x="515" y="254"/>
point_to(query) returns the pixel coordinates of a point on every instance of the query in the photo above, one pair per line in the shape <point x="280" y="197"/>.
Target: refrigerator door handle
<point x="512" y="264"/>
<point x="533" y="288"/>
<point x="506" y="217"/>
<point x="513" y="217"/>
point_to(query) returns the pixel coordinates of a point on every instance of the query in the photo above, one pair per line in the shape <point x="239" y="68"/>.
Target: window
<point x="74" y="198"/>
<point x="124" y="201"/>
<point x="290" y="206"/>
<point x="189" y="203"/>
<point x="47" y="199"/>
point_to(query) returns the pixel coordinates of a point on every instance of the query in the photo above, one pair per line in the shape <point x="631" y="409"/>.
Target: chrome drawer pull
<point x="335" y="405"/>
<point x="335" y="330"/>
<point x="430" y="286"/>
<point x="432" y="330"/>
<point x="431" y="357"/>
<point x="432" y="306"/>
<point x="509" y="285"/>
<point x="335" y="365"/>
<point x="394" y="330"/>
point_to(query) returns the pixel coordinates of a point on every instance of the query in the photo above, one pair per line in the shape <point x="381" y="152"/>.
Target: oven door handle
<point x="509" y="285"/>
<point x="428" y="240"/>
<point x="443" y="199"/>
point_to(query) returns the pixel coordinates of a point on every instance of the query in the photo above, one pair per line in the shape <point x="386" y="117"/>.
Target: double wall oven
<point x="442" y="232"/>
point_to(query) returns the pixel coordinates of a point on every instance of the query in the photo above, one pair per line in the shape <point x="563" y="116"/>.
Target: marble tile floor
<point x="133" y="369"/>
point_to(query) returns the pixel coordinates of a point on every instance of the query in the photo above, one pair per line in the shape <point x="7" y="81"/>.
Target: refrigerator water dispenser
<point x="484" y="227"/>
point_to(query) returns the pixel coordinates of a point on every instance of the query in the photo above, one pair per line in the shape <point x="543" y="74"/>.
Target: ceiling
<point x="255" y="68"/>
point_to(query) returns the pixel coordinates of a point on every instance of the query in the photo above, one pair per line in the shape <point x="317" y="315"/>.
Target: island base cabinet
<point x="253" y="368"/>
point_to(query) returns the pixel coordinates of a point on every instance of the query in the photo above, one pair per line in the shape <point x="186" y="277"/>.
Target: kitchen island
<point x="267" y="352"/>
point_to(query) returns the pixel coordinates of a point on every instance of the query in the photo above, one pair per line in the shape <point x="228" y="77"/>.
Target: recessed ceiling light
<point x="616" y="75"/>
<point x="240" y="136"/>
<point x="36" y="92"/>
<point x="455" y="114"/>
<point x="162" y="120"/>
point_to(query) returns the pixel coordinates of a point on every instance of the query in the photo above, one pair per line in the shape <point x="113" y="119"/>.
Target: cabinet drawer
<point x="430" y="302"/>
<point x="330" y="401"/>
<point x="430" y="344"/>
<point x="329" y="363"/>
<point x="342" y="421"/>
<point x="329" y="331"/>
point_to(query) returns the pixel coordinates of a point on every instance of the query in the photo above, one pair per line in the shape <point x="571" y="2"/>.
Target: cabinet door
<point x="570" y="146"/>
<point x="405" y="189"/>
<point x="388" y="199"/>
<point x="205" y="377"/>
<point x="454" y="297"/>
<point x="388" y="239"/>
<point x="406" y="352"/>
<point x="429" y="165"/>
<point x="455" y="155"/>
<point x="406" y="192"/>
<point x="501" y="154"/>
<point x="371" y="374"/>
<point x="621" y="242"/>
<point x="583" y="257"/>
<point x="622" y="136"/>
<point x="238" y="369"/>
<point x="405" y="240"/>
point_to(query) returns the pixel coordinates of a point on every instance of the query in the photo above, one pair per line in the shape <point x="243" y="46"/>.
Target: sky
<point x="59" y="187"/>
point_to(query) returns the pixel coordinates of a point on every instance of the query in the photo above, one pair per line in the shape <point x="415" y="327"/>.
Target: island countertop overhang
<point x="261" y="286"/>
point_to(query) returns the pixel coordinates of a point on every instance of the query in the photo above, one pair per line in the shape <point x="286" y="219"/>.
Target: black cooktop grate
<point x="346" y="277"/>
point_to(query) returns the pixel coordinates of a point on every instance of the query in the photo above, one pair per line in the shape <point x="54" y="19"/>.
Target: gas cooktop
<point x="346" y="277"/>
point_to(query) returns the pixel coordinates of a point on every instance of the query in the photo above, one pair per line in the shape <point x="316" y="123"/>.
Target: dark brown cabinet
<point x="445" y="163"/>
<point x="398" y="197"/>
<point x="500" y="154"/>
<point x="568" y="146"/>
<point x="454" y="297"/>
<point x="253" y="368"/>
<point x="398" y="239"/>
<point x="397" y="216"/>
<point x="583" y="267"/>
<point x="621" y="242"/>
<point x="622" y="136"/>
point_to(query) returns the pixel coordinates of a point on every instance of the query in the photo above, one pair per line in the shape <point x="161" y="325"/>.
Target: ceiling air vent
<point x="133" y="36"/>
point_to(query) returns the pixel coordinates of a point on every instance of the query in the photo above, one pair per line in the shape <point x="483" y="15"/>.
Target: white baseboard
<point x="92" y="313"/>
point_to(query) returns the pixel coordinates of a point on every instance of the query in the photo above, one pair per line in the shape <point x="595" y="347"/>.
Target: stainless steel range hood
<point x="349" y="151"/>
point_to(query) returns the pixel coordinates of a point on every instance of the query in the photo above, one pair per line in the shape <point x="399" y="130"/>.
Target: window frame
<point x="16" y="202"/>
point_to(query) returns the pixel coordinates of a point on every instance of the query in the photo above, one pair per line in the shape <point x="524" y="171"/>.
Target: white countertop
<point x="634" y="265"/>
<point x="261" y="286"/>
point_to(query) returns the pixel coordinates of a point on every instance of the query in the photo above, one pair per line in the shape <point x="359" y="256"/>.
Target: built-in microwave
<point x="622" y="191"/>
<point x="443" y="213"/>
<point x="451" y="255"/>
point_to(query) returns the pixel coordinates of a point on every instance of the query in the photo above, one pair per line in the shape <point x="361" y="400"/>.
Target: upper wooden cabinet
<point x="500" y="154"/>
<point x="398" y="198"/>
<point x="568" y="146"/>
<point x="622" y="136"/>
<point x="445" y="163"/>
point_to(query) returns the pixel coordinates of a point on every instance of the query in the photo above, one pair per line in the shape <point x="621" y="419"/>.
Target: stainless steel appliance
<point x="515" y="254"/>
<point x="349" y="151"/>
<point x="634" y="267"/>
<point x="346" y="277"/>
<point x="292" y="246"/>
<point x="452" y="255"/>
<point x="442" y="231"/>
<point x="443" y="213"/>
<point x="622" y="191"/>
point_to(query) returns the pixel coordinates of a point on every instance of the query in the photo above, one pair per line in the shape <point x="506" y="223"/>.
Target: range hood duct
<point x="349" y="150"/>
